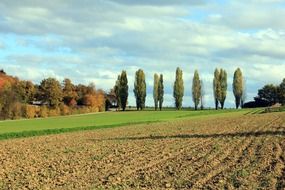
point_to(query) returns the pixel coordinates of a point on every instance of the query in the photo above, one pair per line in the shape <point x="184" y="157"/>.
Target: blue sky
<point x="92" y="41"/>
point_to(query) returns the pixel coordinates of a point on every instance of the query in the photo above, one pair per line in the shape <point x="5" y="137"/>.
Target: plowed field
<point x="235" y="152"/>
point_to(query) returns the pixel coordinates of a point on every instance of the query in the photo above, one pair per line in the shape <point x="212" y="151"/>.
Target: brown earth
<point x="237" y="152"/>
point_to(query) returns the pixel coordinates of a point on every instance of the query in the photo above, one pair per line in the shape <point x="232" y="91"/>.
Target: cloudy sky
<point x="93" y="40"/>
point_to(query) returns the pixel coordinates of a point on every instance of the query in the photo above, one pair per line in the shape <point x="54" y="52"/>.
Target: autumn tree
<point x="95" y="99"/>
<point x="50" y="91"/>
<point x="9" y="99"/>
<point x="25" y="90"/>
<point x="140" y="89"/>
<point x="223" y="87"/>
<point x="178" y="91"/>
<point x="81" y="91"/>
<point x="155" y="90"/>
<point x="124" y="90"/>
<point x="69" y="93"/>
<point x="160" y="92"/>
<point x="216" y="87"/>
<point x="238" y="87"/>
<point x="196" y="89"/>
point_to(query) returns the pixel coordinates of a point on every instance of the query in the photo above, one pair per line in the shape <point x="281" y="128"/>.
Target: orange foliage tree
<point x="95" y="100"/>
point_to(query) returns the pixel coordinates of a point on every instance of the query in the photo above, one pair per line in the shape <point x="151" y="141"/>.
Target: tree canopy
<point x="140" y="89"/>
<point x="178" y="91"/>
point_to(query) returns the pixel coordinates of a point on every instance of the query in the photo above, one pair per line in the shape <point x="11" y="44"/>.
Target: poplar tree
<point x="140" y="89"/>
<point x="223" y="87"/>
<point x="216" y="87"/>
<point x="117" y="91"/>
<point x="202" y="94"/>
<point x="178" y="91"/>
<point x="196" y="89"/>
<point x="160" y="92"/>
<point x="244" y="93"/>
<point x="124" y="90"/>
<point x="155" y="90"/>
<point x="238" y="87"/>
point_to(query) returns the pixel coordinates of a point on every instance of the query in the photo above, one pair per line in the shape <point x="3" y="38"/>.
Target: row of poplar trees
<point x="121" y="90"/>
<point x="220" y="86"/>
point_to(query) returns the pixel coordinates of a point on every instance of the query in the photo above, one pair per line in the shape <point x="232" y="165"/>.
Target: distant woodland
<point x="24" y="99"/>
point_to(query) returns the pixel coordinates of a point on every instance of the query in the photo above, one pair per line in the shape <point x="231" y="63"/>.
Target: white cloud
<point x="92" y="41"/>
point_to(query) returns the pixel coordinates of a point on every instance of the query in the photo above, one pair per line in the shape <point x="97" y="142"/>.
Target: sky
<point x="94" y="40"/>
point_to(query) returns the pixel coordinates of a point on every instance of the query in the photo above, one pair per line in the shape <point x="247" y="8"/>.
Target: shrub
<point x="16" y="111"/>
<point x="43" y="112"/>
<point x="95" y="102"/>
<point x="83" y="110"/>
<point x="54" y="112"/>
<point x="64" y="109"/>
<point x="29" y="111"/>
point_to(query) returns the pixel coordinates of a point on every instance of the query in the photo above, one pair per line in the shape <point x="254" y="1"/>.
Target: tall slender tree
<point x="124" y="90"/>
<point x="223" y="86"/>
<point x="140" y="89"/>
<point x="155" y="90"/>
<point x="238" y="87"/>
<point x="196" y="89"/>
<point x="160" y="92"/>
<point x="202" y="94"/>
<point x="216" y="87"/>
<point x="178" y="92"/>
<point x="117" y="91"/>
<point x="244" y="93"/>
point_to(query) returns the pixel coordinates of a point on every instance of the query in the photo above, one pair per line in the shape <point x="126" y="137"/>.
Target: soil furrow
<point x="205" y="176"/>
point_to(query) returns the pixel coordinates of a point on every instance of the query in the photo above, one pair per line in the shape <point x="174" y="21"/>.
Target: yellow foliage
<point x="95" y="101"/>
<point x="64" y="109"/>
<point x="54" y="112"/>
<point x="16" y="110"/>
<point x="29" y="111"/>
<point x="43" y="112"/>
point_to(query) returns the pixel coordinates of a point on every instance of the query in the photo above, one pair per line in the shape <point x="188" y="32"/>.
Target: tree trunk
<point x="237" y="103"/>
<point x="217" y="104"/>
<point x="222" y="105"/>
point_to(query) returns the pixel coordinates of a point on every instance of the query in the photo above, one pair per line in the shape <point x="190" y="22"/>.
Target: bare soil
<point x="237" y="152"/>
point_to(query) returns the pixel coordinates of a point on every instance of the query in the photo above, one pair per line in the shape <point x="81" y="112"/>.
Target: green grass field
<point x="34" y="127"/>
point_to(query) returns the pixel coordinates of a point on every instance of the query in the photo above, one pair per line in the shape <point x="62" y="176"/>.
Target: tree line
<point x="19" y="98"/>
<point x="23" y="99"/>
<point x="220" y="86"/>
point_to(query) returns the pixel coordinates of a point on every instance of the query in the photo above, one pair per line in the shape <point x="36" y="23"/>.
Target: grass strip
<point x="24" y="134"/>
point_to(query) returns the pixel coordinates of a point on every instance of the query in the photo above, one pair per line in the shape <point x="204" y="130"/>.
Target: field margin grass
<point x="33" y="133"/>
